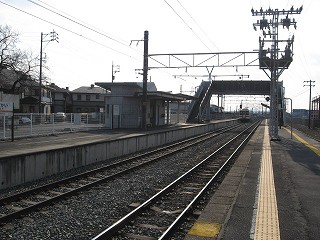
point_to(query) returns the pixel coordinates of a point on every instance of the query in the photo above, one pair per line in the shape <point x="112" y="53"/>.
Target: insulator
<point x="301" y="8"/>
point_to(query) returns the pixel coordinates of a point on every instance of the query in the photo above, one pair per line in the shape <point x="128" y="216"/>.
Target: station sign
<point x="6" y="108"/>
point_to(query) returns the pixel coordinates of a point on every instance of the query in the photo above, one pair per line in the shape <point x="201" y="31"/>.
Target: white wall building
<point x="123" y="104"/>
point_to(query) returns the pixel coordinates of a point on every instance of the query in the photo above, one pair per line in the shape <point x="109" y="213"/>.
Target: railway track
<point x="20" y="204"/>
<point x="162" y="214"/>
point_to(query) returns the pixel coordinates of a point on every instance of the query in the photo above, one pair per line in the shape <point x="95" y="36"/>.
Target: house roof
<point x="56" y="88"/>
<point x="90" y="89"/>
<point x="8" y="80"/>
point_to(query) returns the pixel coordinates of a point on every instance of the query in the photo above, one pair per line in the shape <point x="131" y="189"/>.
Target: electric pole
<point x="53" y="37"/>
<point x="269" y="58"/>
<point x="310" y="85"/>
<point x="145" y="78"/>
<point x="114" y="70"/>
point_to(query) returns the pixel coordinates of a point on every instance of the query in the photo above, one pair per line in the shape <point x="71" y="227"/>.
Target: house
<point x="315" y="113"/>
<point x="8" y="93"/>
<point x="24" y="91"/>
<point x="88" y="99"/>
<point x="123" y="104"/>
<point x="31" y="95"/>
<point x="62" y="100"/>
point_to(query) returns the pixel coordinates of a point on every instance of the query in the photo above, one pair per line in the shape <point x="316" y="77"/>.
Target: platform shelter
<point x="123" y="104"/>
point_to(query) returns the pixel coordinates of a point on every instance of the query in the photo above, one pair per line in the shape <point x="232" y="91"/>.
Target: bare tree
<point x="18" y="62"/>
<point x="8" y="40"/>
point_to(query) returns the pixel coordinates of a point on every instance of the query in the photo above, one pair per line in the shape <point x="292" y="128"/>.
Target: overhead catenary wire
<point x="198" y="25"/>
<point x="187" y="25"/>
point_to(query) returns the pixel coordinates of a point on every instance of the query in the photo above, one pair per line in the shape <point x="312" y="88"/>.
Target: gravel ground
<point x="314" y="133"/>
<point x="87" y="214"/>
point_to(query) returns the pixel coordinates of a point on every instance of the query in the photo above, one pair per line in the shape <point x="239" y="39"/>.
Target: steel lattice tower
<point x="269" y="53"/>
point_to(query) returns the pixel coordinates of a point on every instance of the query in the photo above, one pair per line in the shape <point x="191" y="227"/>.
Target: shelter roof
<point x="167" y="96"/>
<point x="109" y="85"/>
<point x="152" y="92"/>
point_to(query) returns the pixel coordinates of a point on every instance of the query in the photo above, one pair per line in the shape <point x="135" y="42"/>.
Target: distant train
<point x="244" y="115"/>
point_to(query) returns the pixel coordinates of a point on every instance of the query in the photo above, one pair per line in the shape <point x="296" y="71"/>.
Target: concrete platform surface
<point x="30" y="159"/>
<point x="246" y="207"/>
<point x="34" y="144"/>
<point x="43" y="143"/>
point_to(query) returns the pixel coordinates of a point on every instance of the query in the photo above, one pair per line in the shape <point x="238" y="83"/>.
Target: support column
<point x="274" y="107"/>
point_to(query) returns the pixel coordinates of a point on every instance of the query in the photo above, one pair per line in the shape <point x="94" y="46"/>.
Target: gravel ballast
<point x="87" y="214"/>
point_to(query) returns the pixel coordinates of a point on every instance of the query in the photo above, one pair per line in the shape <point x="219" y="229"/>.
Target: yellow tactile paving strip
<point x="313" y="148"/>
<point x="205" y="229"/>
<point x="267" y="223"/>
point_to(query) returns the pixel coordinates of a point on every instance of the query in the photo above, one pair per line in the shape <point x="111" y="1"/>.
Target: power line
<point x="300" y="93"/>
<point x="187" y="25"/>
<point x="76" y="22"/>
<point x="75" y="33"/>
<point x="68" y="30"/>
<point x="198" y="25"/>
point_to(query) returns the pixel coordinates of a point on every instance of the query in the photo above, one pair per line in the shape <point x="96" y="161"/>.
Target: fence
<point x="26" y="125"/>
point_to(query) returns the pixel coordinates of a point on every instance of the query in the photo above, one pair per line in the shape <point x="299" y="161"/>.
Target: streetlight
<point x="53" y="37"/>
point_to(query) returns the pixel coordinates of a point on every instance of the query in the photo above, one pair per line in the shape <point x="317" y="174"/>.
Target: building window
<point x="97" y="96"/>
<point x="79" y="97"/>
<point x="88" y="97"/>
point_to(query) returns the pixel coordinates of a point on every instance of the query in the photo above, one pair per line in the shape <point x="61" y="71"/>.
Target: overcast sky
<point x="95" y="33"/>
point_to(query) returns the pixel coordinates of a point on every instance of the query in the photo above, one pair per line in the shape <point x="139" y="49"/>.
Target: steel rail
<point x="114" y="228"/>
<point x="7" y="217"/>
<point x="63" y="181"/>
<point x="184" y="213"/>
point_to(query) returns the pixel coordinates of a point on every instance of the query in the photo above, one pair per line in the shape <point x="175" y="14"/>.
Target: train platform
<point x="28" y="145"/>
<point x="29" y="159"/>
<point x="271" y="192"/>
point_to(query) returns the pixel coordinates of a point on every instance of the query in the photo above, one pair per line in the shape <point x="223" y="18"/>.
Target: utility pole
<point x="290" y="115"/>
<point x="53" y="37"/>
<point x="269" y="57"/>
<point x="145" y="78"/>
<point x="310" y="85"/>
<point x="114" y="70"/>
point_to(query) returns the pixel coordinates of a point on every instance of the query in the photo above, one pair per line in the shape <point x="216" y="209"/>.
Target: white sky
<point x="84" y="56"/>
